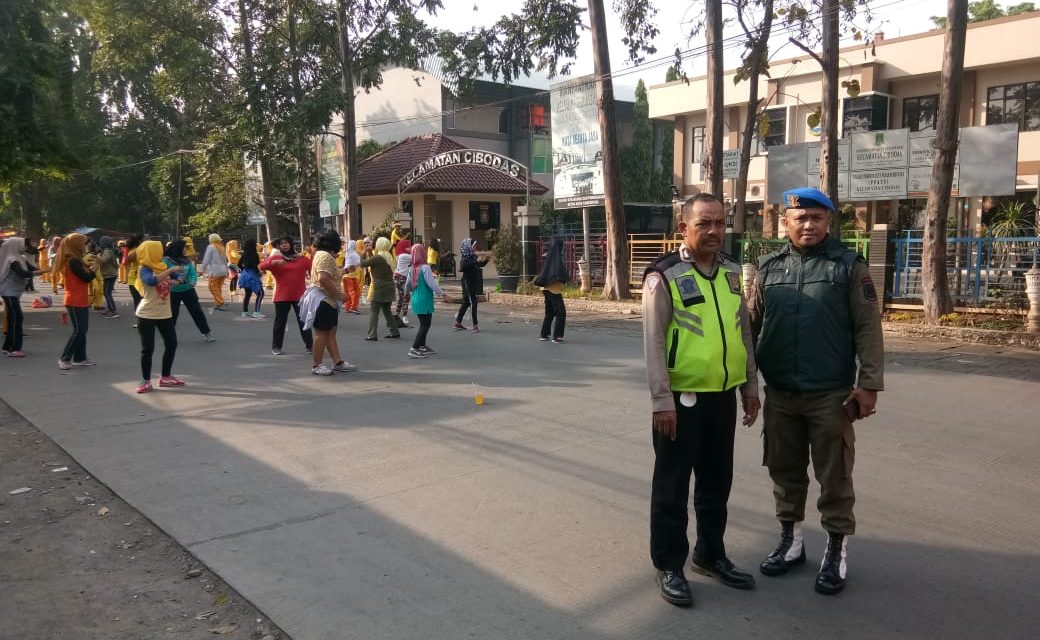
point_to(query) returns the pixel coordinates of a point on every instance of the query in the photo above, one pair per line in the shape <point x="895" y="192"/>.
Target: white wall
<point x="411" y="98"/>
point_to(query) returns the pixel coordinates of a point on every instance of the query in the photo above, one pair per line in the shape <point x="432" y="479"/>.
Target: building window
<point x="534" y="116"/>
<point x="920" y="113"/>
<point x="1015" y="104"/>
<point x="864" y="113"/>
<point x="777" y="119"/>
<point x="697" y="148"/>
<point x="541" y="156"/>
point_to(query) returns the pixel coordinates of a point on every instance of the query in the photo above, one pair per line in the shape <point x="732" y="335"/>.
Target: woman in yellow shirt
<point x="233" y="254"/>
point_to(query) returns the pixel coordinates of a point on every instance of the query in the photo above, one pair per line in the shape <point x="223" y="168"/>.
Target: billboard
<point x="254" y="189"/>
<point x="332" y="182"/>
<point x="576" y="145"/>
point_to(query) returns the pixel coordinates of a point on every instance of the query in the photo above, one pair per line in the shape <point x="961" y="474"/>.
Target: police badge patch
<point x="734" y="281"/>
<point x="688" y="290"/>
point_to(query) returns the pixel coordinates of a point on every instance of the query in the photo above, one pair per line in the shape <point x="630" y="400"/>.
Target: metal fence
<point x="573" y="248"/>
<point x="981" y="271"/>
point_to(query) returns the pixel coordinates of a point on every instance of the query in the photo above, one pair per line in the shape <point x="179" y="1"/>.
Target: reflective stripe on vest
<point x="704" y="343"/>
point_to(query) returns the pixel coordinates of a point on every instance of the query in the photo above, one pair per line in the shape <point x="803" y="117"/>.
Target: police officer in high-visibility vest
<point x="821" y="353"/>
<point x="697" y="343"/>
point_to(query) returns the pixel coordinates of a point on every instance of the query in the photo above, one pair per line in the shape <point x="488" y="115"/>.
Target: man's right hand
<point x="665" y="423"/>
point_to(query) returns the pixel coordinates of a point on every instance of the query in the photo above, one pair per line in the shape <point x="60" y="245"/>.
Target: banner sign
<point x="880" y="149"/>
<point x="882" y="184"/>
<point x="814" y="157"/>
<point x="919" y="180"/>
<point x="470" y="157"/>
<point x="254" y="190"/>
<point x="576" y="145"/>
<point x="332" y="176"/>
<point x="730" y="164"/>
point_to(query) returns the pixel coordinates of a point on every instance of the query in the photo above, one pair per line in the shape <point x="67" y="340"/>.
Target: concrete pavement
<point x="386" y="504"/>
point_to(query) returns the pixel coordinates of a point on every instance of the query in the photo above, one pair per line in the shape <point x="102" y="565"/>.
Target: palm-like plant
<point x="1010" y="221"/>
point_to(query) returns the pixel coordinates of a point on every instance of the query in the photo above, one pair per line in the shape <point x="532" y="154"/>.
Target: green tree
<point x="637" y="160"/>
<point x="987" y="10"/>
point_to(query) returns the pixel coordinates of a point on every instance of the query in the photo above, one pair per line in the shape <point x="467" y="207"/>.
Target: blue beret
<point x="807" y="198"/>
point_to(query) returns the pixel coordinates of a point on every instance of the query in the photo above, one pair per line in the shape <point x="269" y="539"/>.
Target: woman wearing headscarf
<point x="327" y="279"/>
<point x="551" y="279"/>
<point x="77" y="278"/>
<point x="96" y="288"/>
<point x="52" y="257"/>
<point x="155" y="277"/>
<point x="249" y="279"/>
<point x="381" y="295"/>
<point x="233" y="255"/>
<point x="404" y="263"/>
<point x="289" y="270"/>
<point x="404" y="245"/>
<point x="176" y="254"/>
<point x="214" y="264"/>
<point x="44" y="260"/>
<point x="353" y="277"/>
<point x="472" y="282"/>
<point x="16" y="269"/>
<point x="123" y="263"/>
<point x="108" y="263"/>
<point x="421" y="284"/>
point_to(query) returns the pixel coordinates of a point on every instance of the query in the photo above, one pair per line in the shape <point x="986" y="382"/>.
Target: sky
<point x="674" y="20"/>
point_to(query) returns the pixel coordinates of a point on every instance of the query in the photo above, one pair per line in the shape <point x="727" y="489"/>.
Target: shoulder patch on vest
<point x="869" y="291"/>
<point x="652" y="280"/>
<point x="734" y="281"/>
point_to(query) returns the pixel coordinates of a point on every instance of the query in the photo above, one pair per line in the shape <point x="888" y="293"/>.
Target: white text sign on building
<point x="880" y="149"/>
<point x="576" y="145"/>
<point x="470" y="157"/>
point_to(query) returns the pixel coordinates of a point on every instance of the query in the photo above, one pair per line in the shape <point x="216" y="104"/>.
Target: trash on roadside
<point x="20" y="490"/>
<point x="84" y="500"/>
<point x="204" y="615"/>
<point x="103" y="511"/>
<point x="59" y="469"/>
<point x="228" y="628"/>
<point x="194" y="573"/>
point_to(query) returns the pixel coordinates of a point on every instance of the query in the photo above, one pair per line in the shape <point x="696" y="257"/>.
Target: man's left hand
<point x="751" y="407"/>
<point x="867" y="399"/>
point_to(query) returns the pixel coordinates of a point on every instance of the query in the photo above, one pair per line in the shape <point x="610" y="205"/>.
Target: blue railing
<point x="981" y="271"/>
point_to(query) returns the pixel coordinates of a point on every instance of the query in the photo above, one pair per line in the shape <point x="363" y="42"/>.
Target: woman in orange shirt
<point x="77" y="277"/>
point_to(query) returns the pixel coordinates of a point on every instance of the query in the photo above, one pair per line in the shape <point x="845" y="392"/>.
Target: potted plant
<point x="508" y="256"/>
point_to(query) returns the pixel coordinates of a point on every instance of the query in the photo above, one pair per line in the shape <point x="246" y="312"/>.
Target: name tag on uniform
<point x="688" y="290"/>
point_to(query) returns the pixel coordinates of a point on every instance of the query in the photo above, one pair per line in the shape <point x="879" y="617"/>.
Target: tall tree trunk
<point x="353" y="222"/>
<point x="934" y="279"/>
<point x="829" y="109"/>
<point x="301" y="144"/>
<point x="716" y="109"/>
<point x="758" y="52"/>
<point x="615" y="286"/>
<point x="256" y="114"/>
<point x="32" y="212"/>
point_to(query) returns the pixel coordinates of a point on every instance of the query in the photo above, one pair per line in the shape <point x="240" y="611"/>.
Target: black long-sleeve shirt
<point x="80" y="270"/>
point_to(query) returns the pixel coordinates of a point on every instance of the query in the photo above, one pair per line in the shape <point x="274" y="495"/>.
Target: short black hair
<point x="687" y="205"/>
<point x="328" y="240"/>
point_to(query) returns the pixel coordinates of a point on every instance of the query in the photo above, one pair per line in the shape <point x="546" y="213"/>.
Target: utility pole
<point x="715" y="112"/>
<point x="353" y="222"/>
<point x="829" y="110"/>
<point x="615" y="286"/>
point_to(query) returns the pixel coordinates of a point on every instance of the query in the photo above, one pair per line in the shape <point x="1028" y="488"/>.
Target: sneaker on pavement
<point x="543" y="338"/>
<point x="245" y="314"/>
<point x="416" y="353"/>
<point x="343" y="367"/>
<point x="475" y="329"/>
<point x="460" y="327"/>
<point x="258" y="315"/>
<point x="321" y="370"/>
<point x="144" y="387"/>
<point x="208" y="337"/>
<point x="427" y="350"/>
<point x="558" y="340"/>
<point x="64" y="365"/>
<point x="170" y="381"/>
<point x="84" y="363"/>
<point x="278" y="352"/>
<point x="17" y="354"/>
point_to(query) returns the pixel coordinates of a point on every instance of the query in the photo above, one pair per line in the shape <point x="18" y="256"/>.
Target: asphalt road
<point x="386" y="504"/>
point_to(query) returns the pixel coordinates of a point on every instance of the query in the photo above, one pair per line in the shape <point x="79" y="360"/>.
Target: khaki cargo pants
<point x="804" y="426"/>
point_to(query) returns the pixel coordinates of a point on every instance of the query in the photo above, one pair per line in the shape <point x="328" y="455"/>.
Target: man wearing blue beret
<point x="815" y="313"/>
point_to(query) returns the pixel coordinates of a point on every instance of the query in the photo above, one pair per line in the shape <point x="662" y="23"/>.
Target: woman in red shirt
<point x="290" y="276"/>
<point x="78" y="275"/>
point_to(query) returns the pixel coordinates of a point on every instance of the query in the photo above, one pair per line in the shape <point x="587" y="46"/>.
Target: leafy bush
<point x="507" y="251"/>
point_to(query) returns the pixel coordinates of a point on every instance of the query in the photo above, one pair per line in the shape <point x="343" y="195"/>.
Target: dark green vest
<point x="806" y="342"/>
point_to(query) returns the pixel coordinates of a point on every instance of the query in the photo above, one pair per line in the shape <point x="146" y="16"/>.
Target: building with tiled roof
<point x="449" y="203"/>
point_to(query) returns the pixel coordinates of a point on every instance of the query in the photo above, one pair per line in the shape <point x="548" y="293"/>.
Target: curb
<point x="576" y="304"/>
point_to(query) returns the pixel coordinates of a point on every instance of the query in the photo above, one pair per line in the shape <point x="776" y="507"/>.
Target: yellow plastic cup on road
<point x="478" y="395"/>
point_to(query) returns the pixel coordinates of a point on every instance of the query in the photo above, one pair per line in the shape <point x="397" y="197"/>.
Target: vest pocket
<point x="674" y="350"/>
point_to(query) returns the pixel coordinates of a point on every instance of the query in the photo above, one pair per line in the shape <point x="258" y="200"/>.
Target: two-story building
<point x="899" y="88"/>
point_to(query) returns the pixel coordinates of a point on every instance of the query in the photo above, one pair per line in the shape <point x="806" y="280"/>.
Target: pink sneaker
<point x="475" y="329"/>
<point x="144" y="387"/>
<point x="170" y="381"/>
<point x="17" y="354"/>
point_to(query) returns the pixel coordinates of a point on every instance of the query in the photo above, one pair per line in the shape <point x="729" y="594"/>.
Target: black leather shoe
<point x="724" y="571"/>
<point x="674" y="588"/>
<point x="390" y="335"/>
<point x="831" y="578"/>
<point x="789" y="552"/>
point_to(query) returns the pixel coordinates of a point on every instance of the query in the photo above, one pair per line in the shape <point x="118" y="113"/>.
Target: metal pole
<point x="586" y="223"/>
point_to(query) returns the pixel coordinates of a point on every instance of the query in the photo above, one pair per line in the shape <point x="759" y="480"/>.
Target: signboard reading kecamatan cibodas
<point x="471" y="157"/>
<point x="577" y="148"/>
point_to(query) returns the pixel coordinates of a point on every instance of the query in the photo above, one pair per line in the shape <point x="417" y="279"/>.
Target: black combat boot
<point x="831" y="578"/>
<point x="790" y="552"/>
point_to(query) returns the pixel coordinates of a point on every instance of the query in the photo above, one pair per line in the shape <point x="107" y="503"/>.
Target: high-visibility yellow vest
<point x="704" y="345"/>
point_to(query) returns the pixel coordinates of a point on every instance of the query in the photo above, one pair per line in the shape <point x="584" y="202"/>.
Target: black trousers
<point x="425" y="320"/>
<point x="146" y="327"/>
<point x="703" y="446"/>
<point x="554" y="309"/>
<point x="191" y="302"/>
<point x="281" y="318"/>
<point x="15" y="320"/>
<point x="76" y="348"/>
<point x="469" y="300"/>
<point x="259" y="299"/>
<point x="109" y="289"/>
<point x="135" y="295"/>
